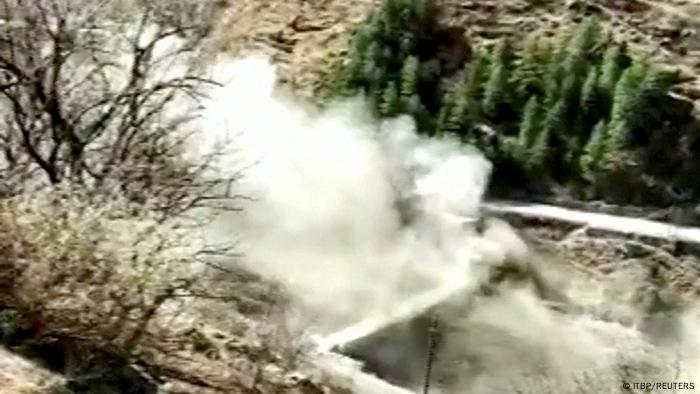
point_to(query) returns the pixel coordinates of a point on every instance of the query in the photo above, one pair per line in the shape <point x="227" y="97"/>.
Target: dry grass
<point x="88" y="268"/>
<point x="305" y="37"/>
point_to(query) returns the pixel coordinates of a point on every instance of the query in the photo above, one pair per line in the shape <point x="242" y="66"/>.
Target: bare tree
<point x="98" y="93"/>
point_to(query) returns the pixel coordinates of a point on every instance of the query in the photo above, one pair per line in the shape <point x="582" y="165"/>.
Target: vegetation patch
<point x="575" y="110"/>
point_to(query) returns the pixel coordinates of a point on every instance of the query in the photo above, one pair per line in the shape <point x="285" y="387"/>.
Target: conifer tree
<point x="556" y="72"/>
<point x="553" y="127"/>
<point x="454" y="114"/>
<point x="527" y="76"/>
<point x="594" y="151"/>
<point x="610" y="69"/>
<point x="496" y="89"/>
<point x="372" y="73"/>
<point x="392" y="15"/>
<point x="576" y="60"/>
<point x="410" y="102"/>
<point x="571" y="91"/>
<point x="589" y="93"/>
<point x="648" y="115"/>
<point x="538" y="153"/>
<point x="581" y="45"/>
<point x="529" y="125"/>
<point x="626" y="104"/>
<point x="409" y="78"/>
<point x="476" y="75"/>
<point x="555" y="119"/>
<point x="445" y="123"/>
<point x="390" y="104"/>
<point x="450" y="120"/>
<point x="352" y="75"/>
<point x="461" y="110"/>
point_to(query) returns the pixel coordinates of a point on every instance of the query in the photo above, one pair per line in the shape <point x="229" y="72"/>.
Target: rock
<point x="248" y="372"/>
<point x="294" y="378"/>
<point x="635" y="249"/>
<point x="19" y="375"/>
<point x="274" y="373"/>
<point x="607" y="268"/>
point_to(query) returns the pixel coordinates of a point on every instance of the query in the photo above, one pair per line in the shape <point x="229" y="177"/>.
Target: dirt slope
<point x="303" y="36"/>
<point x="668" y="29"/>
<point x="306" y="36"/>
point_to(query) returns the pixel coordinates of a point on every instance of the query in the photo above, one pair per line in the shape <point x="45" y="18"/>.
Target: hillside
<point x="311" y="41"/>
<point x="114" y="200"/>
<point x="307" y="36"/>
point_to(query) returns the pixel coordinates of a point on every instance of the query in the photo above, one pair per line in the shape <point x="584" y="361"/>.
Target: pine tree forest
<point x="578" y="109"/>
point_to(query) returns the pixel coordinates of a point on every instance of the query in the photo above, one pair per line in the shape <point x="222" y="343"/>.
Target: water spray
<point x="323" y="222"/>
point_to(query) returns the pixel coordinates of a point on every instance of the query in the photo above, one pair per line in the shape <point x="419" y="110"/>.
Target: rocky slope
<point x="601" y="254"/>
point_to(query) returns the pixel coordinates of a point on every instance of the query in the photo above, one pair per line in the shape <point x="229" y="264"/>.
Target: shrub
<point x="96" y="283"/>
<point x="91" y="267"/>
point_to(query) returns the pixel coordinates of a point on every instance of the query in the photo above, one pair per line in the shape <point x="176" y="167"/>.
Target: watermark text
<point x="648" y="386"/>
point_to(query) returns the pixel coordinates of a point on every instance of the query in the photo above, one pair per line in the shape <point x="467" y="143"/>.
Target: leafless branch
<point x="87" y="88"/>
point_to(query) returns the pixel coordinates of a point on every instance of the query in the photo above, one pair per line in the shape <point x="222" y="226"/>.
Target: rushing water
<point x="368" y="226"/>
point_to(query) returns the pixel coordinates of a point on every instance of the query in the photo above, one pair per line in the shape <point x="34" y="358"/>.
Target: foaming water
<point x="366" y="223"/>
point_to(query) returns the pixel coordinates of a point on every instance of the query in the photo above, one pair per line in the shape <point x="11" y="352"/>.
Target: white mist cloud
<point x="325" y="185"/>
<point x="324" y="222"/>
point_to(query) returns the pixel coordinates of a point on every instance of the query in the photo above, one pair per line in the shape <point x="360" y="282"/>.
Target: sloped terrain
<point x="304" y="37"/>
<point x="249" y="351"/>
<point x="669" y="29"/>
<point x="19" y="376"/>
<point x="309" y="36"/>
<point x="602" y="254"/>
